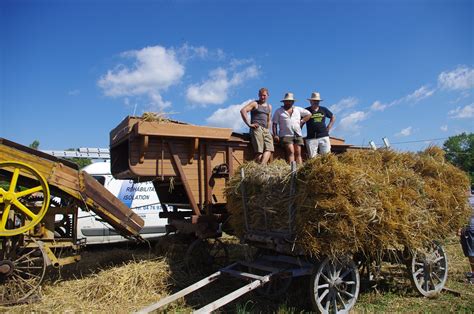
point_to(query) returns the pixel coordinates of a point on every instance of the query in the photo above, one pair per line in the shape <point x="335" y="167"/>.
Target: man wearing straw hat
<point x="289" y="119"/>
<point x="318" y="133"/>
<point x="260" y="116"/>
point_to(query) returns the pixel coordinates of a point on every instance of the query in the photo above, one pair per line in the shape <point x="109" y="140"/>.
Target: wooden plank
<point x="184" y="180"/>
<point x="207" y="178"/>
<point x="182" y="130"/>
<point x="143" y="148"/>
<point x="109" y="208"/>
<point x="229" y="159"/>
<point x="194" y="147"/>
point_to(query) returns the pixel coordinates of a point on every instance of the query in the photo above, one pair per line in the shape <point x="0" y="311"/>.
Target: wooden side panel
<point x="176" y="130"/>
<point x="110" y="208"/>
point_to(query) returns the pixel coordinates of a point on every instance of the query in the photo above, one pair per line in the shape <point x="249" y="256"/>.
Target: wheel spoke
<point x="326" y="285"/>
<point x="438" y="259"/>
<point x="347" y="293"/>
<point x="17" y="284"/>
<point x="29" y="191"/>
<point x="24" y="280"/>
<point x="5" y="214"/>
<point x="24" y="209"/>
<point x="437" y="277"/>
<point x="345" y="273"/>
<point x="341" y="300"/>
<point x="22" y="257"/>
<point x="325" y="278"/>
<point x="328" y="302"/>
<point x="16" y="174"/>
<point x="334" y="302"/>
<point x="27" y="273"/>
<point x="419" y="271"/>
<point x="325" y="292"/>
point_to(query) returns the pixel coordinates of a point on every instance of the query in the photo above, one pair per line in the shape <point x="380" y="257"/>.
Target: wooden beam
<point x="143" y="147"/>
<point x="193" y="149"/>
<point x="207" y="178"/>
<point x="181" y="130"/>
<point x="187" y="188"/>
<point x="229" y="160"/>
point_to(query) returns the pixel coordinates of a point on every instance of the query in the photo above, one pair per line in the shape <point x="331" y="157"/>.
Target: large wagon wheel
<point x="21" y="270"/>
<point x="335" y="286"/>
<point x="429" y="270"/>
<point x="13" y="195"/>
<point x="205" y="256"/>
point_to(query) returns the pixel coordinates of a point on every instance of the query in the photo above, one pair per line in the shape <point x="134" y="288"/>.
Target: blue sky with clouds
<point x="72" y="70"/>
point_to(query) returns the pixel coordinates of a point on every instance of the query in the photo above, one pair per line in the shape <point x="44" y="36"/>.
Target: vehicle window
<point x="101" y="179"/>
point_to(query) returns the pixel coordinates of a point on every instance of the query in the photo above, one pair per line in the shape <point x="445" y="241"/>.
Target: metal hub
<point x="9" y="197"/>
<point x="6" y="268"/>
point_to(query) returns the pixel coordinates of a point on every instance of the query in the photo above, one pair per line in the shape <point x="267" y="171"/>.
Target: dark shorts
<point x="467" y="242"/>
<point x="298" y="140"/>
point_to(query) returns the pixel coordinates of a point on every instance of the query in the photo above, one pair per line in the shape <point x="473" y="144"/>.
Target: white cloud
<point x="228" y="117"/>
<point x="444" y="128"/>
<point x="74" y="92"/>
<point x="405" y="132"/>
<point x="214" y="91"/>
<point x="461" y="78"/>
<point x="378" y="106"/>
<point x="186" y="52"/>
<point x="420" y="94"/>
<point x="462" y="113"/>
<point x="344" y="104"/>
<point x="350" y="122"/>
<point x="154" y="70"/>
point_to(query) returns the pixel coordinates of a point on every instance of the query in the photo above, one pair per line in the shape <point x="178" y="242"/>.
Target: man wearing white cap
<point x="289" y="119"/>
<point x="318" y="133"/>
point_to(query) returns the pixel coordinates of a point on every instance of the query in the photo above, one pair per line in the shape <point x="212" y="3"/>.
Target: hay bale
<point x="360" y="201"/>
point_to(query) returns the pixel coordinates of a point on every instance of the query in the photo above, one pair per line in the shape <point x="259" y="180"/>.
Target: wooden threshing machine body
<point x="188" y="164"/>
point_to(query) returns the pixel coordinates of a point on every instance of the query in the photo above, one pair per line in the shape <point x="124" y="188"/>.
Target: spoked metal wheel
<point x="21" y="270"/>
<point x="335" y="286"/>
<point x="21" y="182"/>
<point x="429" y="270"/>
<point x="205" y="256"/>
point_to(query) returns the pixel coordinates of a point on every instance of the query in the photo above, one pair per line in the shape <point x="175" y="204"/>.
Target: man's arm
<point x="244" y="114"/>
<point x="269" y="117"/>
<point x="275" y="131"/>
<point x="306" y="116"/>
<point x="331" y="122"/>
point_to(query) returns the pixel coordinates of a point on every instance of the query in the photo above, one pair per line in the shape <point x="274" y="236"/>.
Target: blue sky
<point x="72" y="70"/>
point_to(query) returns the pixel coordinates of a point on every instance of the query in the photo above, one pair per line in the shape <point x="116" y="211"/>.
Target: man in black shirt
<point x="318" y="133"/>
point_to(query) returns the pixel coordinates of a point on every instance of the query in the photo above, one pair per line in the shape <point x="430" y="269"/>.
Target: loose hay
<point x="121" y="289"/>
<point x="155" y="117"/>
<point x="360" y="201"/>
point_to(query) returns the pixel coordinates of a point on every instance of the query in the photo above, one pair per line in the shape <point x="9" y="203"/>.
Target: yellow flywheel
<point x="18" y="181"/>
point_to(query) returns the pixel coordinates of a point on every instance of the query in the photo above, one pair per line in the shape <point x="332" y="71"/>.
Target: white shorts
<point x="322" y="144"/>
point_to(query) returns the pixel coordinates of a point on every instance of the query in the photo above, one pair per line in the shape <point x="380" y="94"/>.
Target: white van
<point x="141" y="197"/>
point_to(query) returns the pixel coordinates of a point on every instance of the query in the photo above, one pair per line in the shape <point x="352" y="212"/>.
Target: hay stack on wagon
<point x="360" y="201"/>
